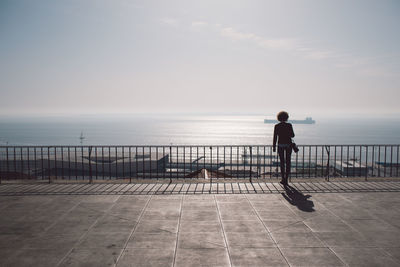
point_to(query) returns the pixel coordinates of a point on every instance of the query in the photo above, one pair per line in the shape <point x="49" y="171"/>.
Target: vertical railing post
<point x="164" y="162"/>
<point x="271" y="162"/>
<point x="354" y="160"/>
<point x="197" y="158"/>
<point x="116" y="162"/>
<point x="150" y="165"/>
<point x="296" y="168"/>
<point x="15" y="162"/>
<point x="231" y="165"/>
<point x="90" y="165"/>
<point x="217" y="166"/>
<point x="379" y="161"/>
<point x="82" y="165"/>
<point x="109" y="163"/>
<point x="366" y="163"/>
<point x="69" y="163"/>
<point x="262" y="172"/>
<point x="102" y="161"/>
<point x="123" y="162"/>
<point x="397" y="162"/>
<point x="384" y="165"/>
<point x="22" y="162"/>
<point x="391" y="160"/>
<point x="55" y="163"/>
<point x="190" y="159"/>
<point x="170" y="163"/>
<point x="184" y="162"/>
<point x="210" y="169"/>
<point x="96" y="161"/>
<point x="251" y="163"/>
<point x="328" y="150"/>
<point x="130" y="165"/>
<point x="322" y="162"/>
<point x="1" y="162"/>
<point x="76" y="163"/>
<point x="258" y="162"/>
<point x="334" y="163"/>
<point x="136" y="162"/>
<point x="7" y="162"/>
<point x="62" y="162"/>
<point x="348" y="158"/>
<point x="303" y="171"/>
<point x="157" y="163"/>
<point x="48" y="163"/>
<point x="316" y="161"/>
<point x="373" y="161"/>
<point x="224" y="165"/>
<point x="244" y="159"/>
<point x="341" y="161"/>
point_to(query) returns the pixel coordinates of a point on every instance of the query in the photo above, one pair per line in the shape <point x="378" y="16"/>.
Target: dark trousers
<point x="285" y="154"/>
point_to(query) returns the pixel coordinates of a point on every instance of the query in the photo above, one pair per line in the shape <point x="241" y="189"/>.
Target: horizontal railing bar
<point x="175" y="146"/>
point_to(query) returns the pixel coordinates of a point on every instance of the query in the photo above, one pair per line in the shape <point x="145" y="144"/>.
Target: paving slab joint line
<point x="344" y="264"/>
<point x="133" y="230"/>
<point x="85" y="234"/>
<point x="177" y="234"/>
<point x="223" y="231"/>
<point x="62" y="217"/>
<point x="322" y="241"/>
<point x="269" y="233"/>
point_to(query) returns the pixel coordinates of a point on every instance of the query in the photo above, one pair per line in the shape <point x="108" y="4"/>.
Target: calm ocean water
<point x="189" y="130"/>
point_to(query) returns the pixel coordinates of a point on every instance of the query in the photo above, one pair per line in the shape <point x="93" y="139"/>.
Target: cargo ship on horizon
<point x="308" y="120"/>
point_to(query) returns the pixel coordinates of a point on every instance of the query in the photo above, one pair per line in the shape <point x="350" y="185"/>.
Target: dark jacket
<point x="283" y="132"/>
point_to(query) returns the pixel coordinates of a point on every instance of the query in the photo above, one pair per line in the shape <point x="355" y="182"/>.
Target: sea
<point x="198" y="129"/>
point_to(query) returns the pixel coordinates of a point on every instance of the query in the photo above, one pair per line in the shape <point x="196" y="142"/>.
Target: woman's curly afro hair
<point x="283" y="116"/>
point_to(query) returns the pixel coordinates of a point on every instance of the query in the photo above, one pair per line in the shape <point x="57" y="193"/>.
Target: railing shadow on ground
<point x="295" y="194"/>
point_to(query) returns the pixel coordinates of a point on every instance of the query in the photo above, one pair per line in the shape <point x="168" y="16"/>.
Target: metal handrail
<point x="167" y="162"/>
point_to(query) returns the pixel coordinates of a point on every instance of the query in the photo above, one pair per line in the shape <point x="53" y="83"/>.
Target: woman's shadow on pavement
<point x="297" y="199"/>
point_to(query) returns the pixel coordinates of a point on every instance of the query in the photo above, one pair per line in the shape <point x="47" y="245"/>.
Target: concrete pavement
<point x="304" y="225"/>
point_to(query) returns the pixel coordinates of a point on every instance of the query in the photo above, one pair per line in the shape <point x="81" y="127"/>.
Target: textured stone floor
<point x="298" y="226"/>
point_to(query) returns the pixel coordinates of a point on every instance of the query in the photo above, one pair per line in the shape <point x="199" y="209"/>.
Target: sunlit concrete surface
<point x="237" y="224"/>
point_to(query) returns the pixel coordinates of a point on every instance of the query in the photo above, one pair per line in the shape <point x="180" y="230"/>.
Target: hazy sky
<point x="84" y="56"/>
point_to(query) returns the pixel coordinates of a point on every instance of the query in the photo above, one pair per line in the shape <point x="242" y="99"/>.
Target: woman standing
<point x="283" y="133"/>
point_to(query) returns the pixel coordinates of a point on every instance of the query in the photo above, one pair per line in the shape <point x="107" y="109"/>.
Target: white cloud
<point x="367" y="66"/>
<point x="288" y="44"/>
<point x="319" y="55"/>
<point x="378" y="71"/>
<point x="303" y="48"/>
<point x="233" y="34"/>
<point x="170" y="21"/>
<point x="351" y="63"/>
<point x="198" y="23"/>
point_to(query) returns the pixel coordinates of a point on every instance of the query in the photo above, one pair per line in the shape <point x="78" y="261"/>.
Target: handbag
<point x="294" y="147"/>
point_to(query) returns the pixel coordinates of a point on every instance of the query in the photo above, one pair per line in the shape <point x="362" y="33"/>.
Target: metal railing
<point x="124" y="163"/>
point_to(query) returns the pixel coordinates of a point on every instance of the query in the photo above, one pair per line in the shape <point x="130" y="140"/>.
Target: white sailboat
<point x="81" y="138"/>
